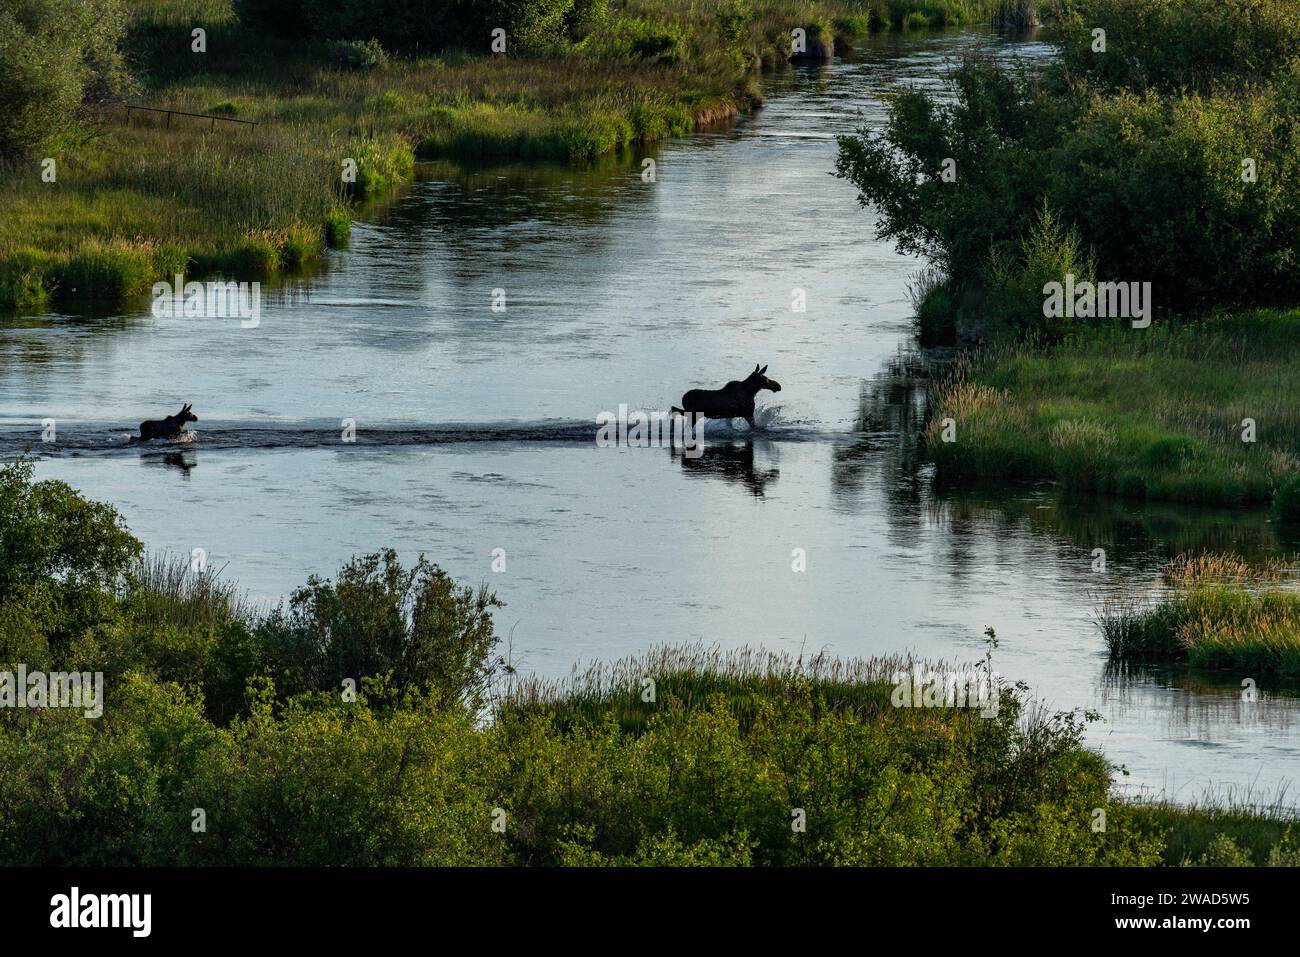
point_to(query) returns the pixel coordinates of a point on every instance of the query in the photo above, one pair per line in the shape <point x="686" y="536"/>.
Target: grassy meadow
<point x="142" y="198"/>
<point x="1159" y="414"/>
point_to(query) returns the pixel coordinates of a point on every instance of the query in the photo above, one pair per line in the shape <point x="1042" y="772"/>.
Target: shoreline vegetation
<point x="373" y="720"/>
<point x="1158" y="150"/>
<point x="1218" y="612"/>
<point x="139" y="200"/>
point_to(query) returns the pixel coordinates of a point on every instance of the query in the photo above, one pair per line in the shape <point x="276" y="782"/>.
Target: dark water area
<point x="474" y="431"/>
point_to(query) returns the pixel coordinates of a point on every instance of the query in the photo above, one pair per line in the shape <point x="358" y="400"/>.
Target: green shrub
<point x="584" y="17"/>
<point x="1201" y="45"/>
<point x="1152" y="186"/>
<point x="378" y="619"/>
<point x="55" y="57"/>
<point x="61" y="556"/>
<point x="1224" y="852"/>
<point x="358" y="54"/>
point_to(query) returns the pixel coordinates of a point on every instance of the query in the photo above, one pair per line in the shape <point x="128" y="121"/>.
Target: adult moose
<point x="168" y="428"/>
<point x="735" y="400"/>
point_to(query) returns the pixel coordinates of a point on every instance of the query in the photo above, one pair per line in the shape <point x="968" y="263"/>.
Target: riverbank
<point x="345" y="729"/>
<point x="141" y="197"/>
<point x="1201" y="412"/>
<point x="1149" y="176"/>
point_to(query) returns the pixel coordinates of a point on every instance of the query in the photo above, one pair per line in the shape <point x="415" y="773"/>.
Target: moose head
<point x="758" y="379"/>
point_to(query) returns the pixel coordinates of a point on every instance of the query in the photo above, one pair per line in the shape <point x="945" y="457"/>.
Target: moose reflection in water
<point x="183" y="461"/>
<point x="734" y="462"/>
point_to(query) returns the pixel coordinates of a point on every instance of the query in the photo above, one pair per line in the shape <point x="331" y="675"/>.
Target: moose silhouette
<point x="735" y="400"/>
<point x="168" y="428"/>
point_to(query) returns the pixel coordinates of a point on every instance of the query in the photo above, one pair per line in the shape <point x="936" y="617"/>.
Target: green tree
<point x="57" y="58"/>
<point x="61" y="555"/>
<point x="379" y="618"/>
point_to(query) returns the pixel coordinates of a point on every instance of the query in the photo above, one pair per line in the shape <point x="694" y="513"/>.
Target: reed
<point x="165" y="589"/>
<point x="691" y="675"/>
<point x="1016" y="14"/>
<point x="1218" y="612"/>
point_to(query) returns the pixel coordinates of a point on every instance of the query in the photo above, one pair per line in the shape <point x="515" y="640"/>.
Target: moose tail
<point x="676" y="411"/>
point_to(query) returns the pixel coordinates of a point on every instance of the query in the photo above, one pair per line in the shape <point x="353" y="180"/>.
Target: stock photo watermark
<point x="82" y="690"/>
<point x="637" y="429"/>
<point x="178" y="299"/>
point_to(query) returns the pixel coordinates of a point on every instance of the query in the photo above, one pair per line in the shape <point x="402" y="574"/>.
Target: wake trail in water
<point x="85" y="439"/>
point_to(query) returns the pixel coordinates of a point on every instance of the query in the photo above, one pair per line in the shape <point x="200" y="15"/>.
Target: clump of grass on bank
<point x="1222" y="833"/>
<point x="1016" y="14"/>
<point x="1219" y="612"/>
<point x="1159" y="413"/>
<point x="692" y="675"/>
<point x="163" y="589"/>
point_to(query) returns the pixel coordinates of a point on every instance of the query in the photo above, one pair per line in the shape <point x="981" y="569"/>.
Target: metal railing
<point x="202" y="116"/>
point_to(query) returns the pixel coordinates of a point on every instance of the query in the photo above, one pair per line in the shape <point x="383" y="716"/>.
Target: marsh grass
<point x="1016" y="14"/>
<point x="1158" y="415"/>
<point x="162" y="588"/>
<point x="691" y="675"/>
<point x="1232" y="830"/>
<point x="1218" y="612"/>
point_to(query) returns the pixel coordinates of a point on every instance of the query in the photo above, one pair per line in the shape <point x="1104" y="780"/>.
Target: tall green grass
<point x="1155" y="413"/>
<point x="1218" y="613"/>
<point x="1223" y="832"/>
<point x="1016" y="14"/>
<point x="166" y="589"/>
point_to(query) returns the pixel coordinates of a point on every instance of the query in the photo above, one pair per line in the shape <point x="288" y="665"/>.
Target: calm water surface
<point x="475" y="431"/>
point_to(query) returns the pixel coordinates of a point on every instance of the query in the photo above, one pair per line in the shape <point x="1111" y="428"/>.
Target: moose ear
<point x="756" y="367"/>
<point x="763" y="370"/>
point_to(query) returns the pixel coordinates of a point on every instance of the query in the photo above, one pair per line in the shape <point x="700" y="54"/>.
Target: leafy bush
<point x="61" y="556"/>
<point x="56" y="56"/>
<point x="358" y="54"/>
<point x="380" y="619"/>
<point x="584" y="17"/>
<point x="1153" y="187"/>
<point x="1200" y="45"/>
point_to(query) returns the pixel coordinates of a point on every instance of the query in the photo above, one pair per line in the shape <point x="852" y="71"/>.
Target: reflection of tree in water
<point x="1136" y="535"/>
<point x="892" y="414"/>
<point x="733" y="462"/>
